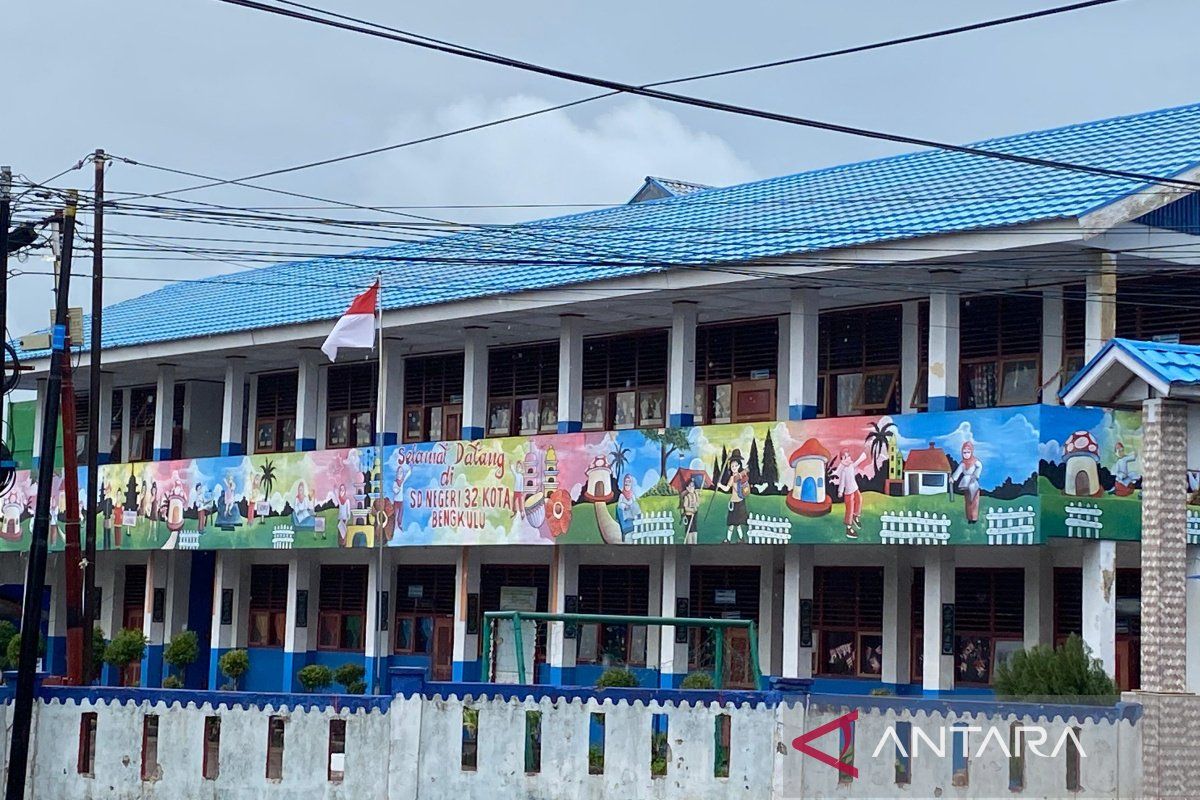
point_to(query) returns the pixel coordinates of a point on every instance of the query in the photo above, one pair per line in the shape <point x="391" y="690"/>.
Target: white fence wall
<point x="413" y="750"/>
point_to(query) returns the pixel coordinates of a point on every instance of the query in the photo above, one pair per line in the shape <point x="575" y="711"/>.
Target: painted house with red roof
<point x="927" y="471"/>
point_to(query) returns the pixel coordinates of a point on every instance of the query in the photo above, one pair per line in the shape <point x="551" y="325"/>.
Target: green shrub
<point x="351" y="677"/>
<point x="880" y="691"/>
<point x="180" y="653"/>
<point x="7" y="632"/>
<point x="315" y="677"/>
<point x="234" y="665"/>
<point x="126" y="647"/>
<point x="697" y="680"/>
<point x="99" y="643"/>
<point x="617" y="677"/>
<point x="1066" y="671"/>
<point x="13" y="650"/>
<point x="172" y="682"/>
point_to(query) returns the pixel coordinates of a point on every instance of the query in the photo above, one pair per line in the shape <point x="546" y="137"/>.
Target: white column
<point x="1039" y="597"/>
<point x="1099" y="601"/>
<point x="298" y="627"/>
<point x="466" y="645"/>
<point x="766" y="610"/>
<point x="375" y="641"/>
<point x="104" y="419"/>
<point x="803" y="325"/>
<point x="1052" y="344"/>
<point x="39" y="412"/>
<point x="676" y="583"/>
<point x="231" y="601"/>
<point x="126" y="428"/>
<point x="564" y="580"/>
<point x="475" y="384"/>
<point x="1193" y="619"/>
<point x="681" y="380"/>
<point x="783" y="367"/>
<point x="154" y="615"/>
<point x="791" y="612"/>
<point x="56" y="623"/>
<point x="233" y="409"/>
<point x="392" y="391"/>
<point x="943" y="350"/>
<point x="897" y="618"/>
<point x="570" y="373"/>
<point x="910" y="353"/>
<point x="309" y="399"/>
<point x="937" y="670"/>
<point x="164" y="411"/>
<point x="1100" y="322"/>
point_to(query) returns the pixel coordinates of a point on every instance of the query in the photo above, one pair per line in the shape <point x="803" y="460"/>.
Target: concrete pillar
<point x="376" y="640"/>
<point x="1100" y="323"/>
<point x="55" y="659"/>
<point x="475" y="384"/>
<point x="154" y="616"/>
<point x="897" y="618"/>
<point x="570" y="373"/>
<point x="104" y="419"/>
<point x="178" y="567"/>
<point x="564" y="582"/>
<point x="1193" y="619"/>
<point x="766" y="611"/>
<point x="803" y="324"/>
<point x="1039" y="597"/>
<point x="791" y="612"/>
<point x="126" y="427"/>
<point x="299" y="634"/>
<point x="783" y="368"/>
<point x="466" y="645"/>
<point x="310" y="400"/>
<point x="391" y="384"/>
<point x="910" y="353"/>
<point x="110" y="583"/>
<point x="937" y="670"/>
<point x="676" y="583"/>
<point x="681" y="378"/>
<point x="39" y="411"/>
<point x="1100" y="602"/>
<point x="1052" y="344"/>
<point x="231" y="611"/>
<point x="164" y="411"/>
<point x="1164" y="546"/>
<point x="233" y="412"/>
<point x="943" y="350"/>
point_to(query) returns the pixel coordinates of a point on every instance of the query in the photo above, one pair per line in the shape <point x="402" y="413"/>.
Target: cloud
<point x="551" y="158"/>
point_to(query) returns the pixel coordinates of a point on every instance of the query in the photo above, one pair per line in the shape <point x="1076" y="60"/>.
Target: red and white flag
<point x="355" y="328"/>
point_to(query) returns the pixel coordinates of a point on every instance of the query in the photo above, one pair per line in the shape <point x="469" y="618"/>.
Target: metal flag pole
<point x="380" y="581"/>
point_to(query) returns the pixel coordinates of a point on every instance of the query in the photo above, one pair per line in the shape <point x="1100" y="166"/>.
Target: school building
<point x="826" y="402"/>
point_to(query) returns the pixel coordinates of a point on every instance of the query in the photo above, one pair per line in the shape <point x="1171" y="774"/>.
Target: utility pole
<point x="90" y="612"/>
<point x="5" y="219"/>
<point x="35" y="575"/>
<point x="72" y="557"/>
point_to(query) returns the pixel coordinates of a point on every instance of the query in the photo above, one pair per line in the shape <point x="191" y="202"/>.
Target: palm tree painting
<point x="267" y="478"/>
<point x="879" y="439"/>
<point x="620" y="460"/>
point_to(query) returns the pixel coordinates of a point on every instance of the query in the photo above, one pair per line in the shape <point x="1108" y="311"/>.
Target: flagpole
<point x="380" y="580"/>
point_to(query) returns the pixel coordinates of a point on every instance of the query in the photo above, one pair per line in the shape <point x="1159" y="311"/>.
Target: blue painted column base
<point x="233" y="449"/>
<point x="802" y="412"/>
<point x="569" y="426"/>
<point x="472" y="433"/>
<point x="465" y="671"/>
<point x="388" y="438"/>
<point x="680" y="420"/>
<point x="305" y="445"/>
<point x="943" y="404"/>
<point x="152" y="666"/>
<point x="162" y="454"/>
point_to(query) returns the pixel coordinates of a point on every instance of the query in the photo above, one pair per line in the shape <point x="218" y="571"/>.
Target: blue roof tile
<point x="917" y="194"/>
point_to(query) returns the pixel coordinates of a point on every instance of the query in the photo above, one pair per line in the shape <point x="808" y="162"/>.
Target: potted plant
<point x="315" y="677"/>
<point x="618" y="678"/>
<point x="234" y="665"/>
<point x="350" y="676"/>
<point x="180" y="653"/>
<point x="697" y="680"/>
<point x="127" y="647"/>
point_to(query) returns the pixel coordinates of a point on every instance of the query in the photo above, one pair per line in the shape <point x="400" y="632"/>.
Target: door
<point x="808" y="490"/>
<point x="133" y="618"/>
<point x="739" y="670"/>
<point x="442" y="656"/>
<point x="1082" y="484"/>
<point x="452" y="423"/>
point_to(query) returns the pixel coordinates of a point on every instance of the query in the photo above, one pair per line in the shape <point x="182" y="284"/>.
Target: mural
<point x="982" y="477"/>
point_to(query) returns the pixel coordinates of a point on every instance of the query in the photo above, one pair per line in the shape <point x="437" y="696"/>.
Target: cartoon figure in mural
<point x="252" y="501"/>
<point x="1123" y="471"/>
<point x="303" y="513"/>
<point x="738" y="486"/>
<point x="689" y="504"/>
<point x="106" y="510"/>
<point x="200" y="504"/>
<point x="14" y="507"/>
<point x="229" y="516"/>
<point x="966" y="480"/>
<point x="343" y="519"/>
<point x="173" y="503"/>
<point x="845" y="474"/>
<point x="628" y="509"/>
<point x="154" y="515"/>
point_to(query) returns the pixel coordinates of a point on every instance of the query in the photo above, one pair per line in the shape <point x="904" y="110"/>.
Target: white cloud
<point x="551" y="158"/>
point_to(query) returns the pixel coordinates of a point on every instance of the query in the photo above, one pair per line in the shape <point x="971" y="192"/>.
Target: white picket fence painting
<point x="769" y="530"/>
<point x="282" y="537"/>
<point x="1083" y="520"/>
<point x="914" y="527"/>
<point x="656" y="528"/>
<point x="1193" y="527"/>
<point x="1012" y="525"/>
<point x="188" y="540"/>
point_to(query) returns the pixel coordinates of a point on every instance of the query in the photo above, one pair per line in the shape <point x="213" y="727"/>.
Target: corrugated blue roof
<point x="917" y="194"/>
<point x="1173" y="364"/>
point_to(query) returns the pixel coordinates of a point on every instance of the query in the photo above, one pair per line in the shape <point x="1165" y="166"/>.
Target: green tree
<point x="7" y="632"/>
<point x="315" y="677"/>
<point x="670" y="441"/>
<point x="350" y="676"/>
<point x="752" y="468"/>
<point x="126" y="647"/>
<point x="1065" y="671"/>
<point x="267" y="478"/>
<point x="13" y="651"/>
<point x="770" y="469"/>
<point x="98" y="645"/>
<point x="234" y="665"/>
<point x="180" y="653"/>
<point x="617" y="677"/>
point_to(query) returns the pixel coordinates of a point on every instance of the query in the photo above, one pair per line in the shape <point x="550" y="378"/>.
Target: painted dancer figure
<point x="845" y="475"/>
<point x="738" y="487"/>
<point x="689" y="505"/>
<point x="966" y="479"/>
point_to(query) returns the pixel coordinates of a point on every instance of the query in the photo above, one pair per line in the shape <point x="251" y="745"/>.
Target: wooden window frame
<point x="859" y="402"/>
<point x="858" y="629"/>
<point x="210" y="767"/>
<point x="278" y="420"/>
<point x="339" y="616"/>
<point x="274" y="608"/>
<point x="352" y="413"/>
<point x="605" y="580"/>
<point x="998" y="363"/>
<point x="85" y="762"/>
<point x="141" y="431"/>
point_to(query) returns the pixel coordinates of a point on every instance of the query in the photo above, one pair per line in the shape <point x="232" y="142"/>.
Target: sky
<point x="206" y="87"/>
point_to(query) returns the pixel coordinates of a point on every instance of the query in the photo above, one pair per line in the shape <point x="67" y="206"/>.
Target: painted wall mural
<point x="982" y="477"/>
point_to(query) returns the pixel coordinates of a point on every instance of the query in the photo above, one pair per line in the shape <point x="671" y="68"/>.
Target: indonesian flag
<point x="355" y="328"/>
